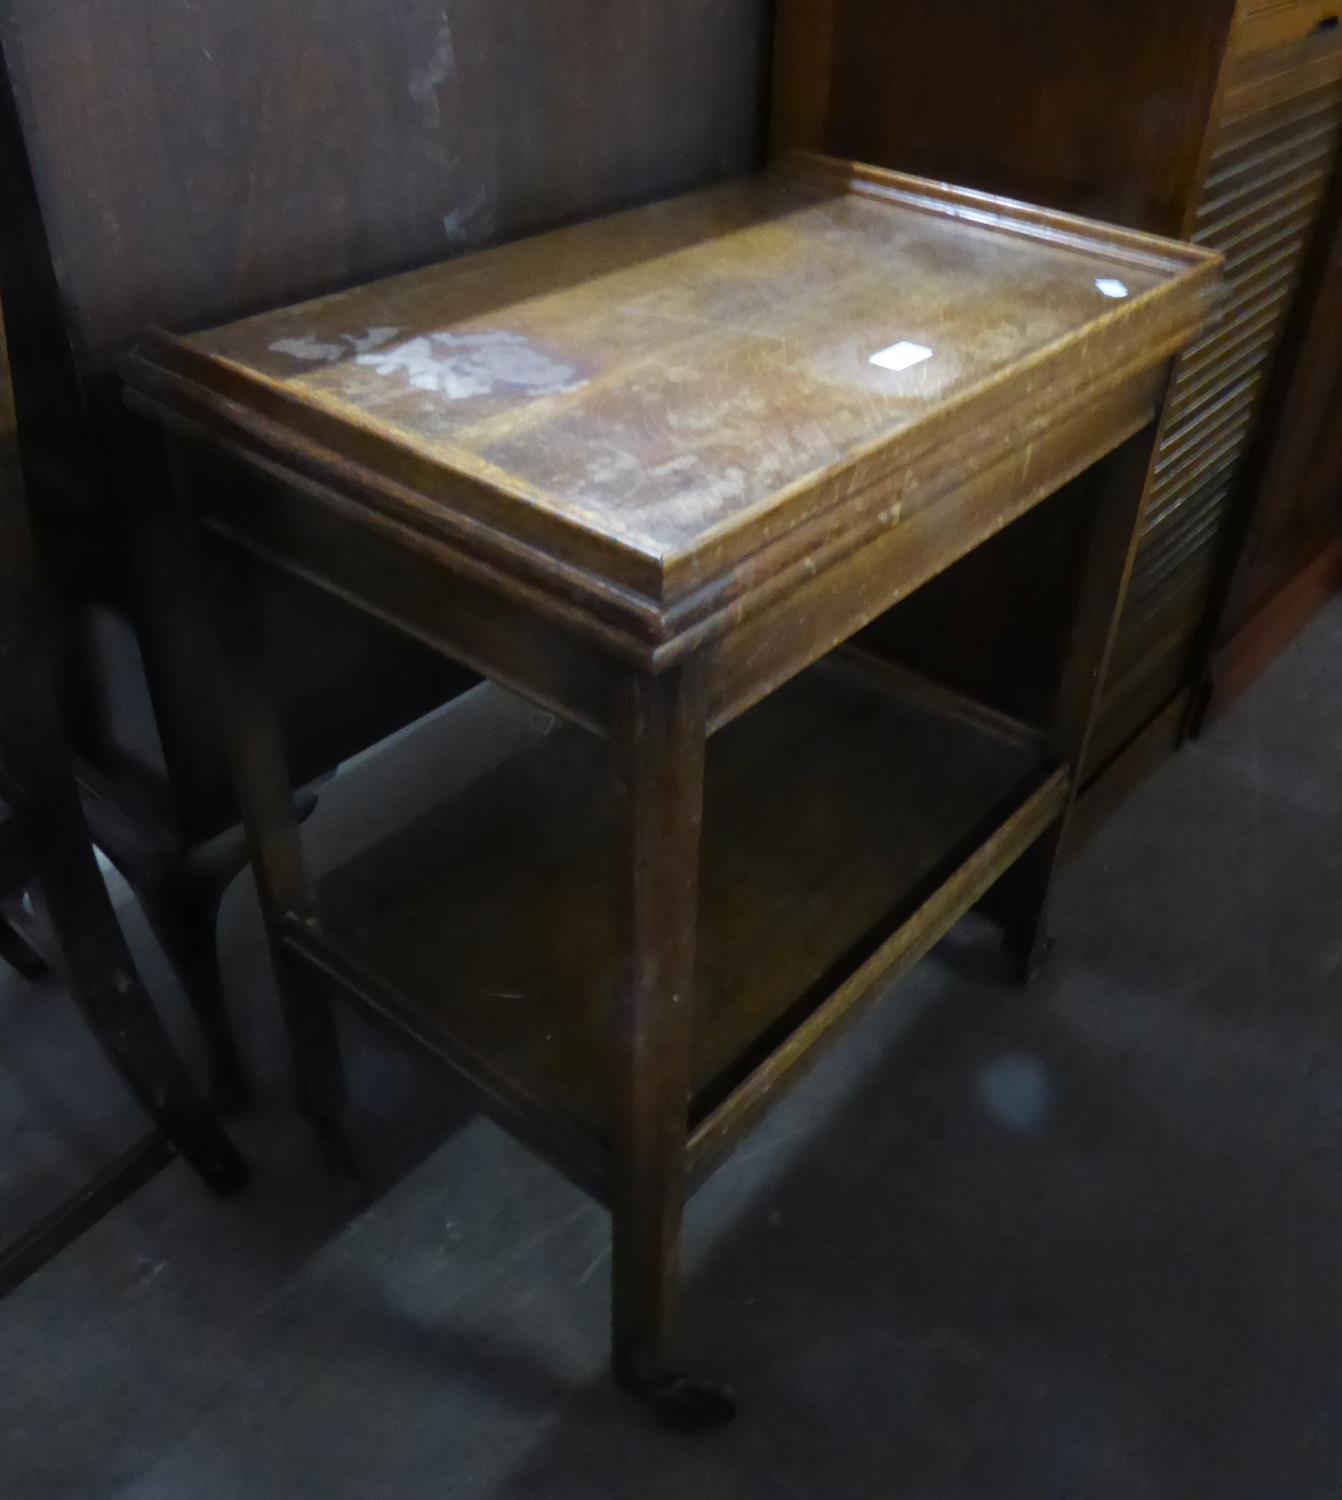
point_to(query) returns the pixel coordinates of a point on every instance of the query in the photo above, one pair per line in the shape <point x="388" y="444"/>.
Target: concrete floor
<point x="1077" y="1241"/>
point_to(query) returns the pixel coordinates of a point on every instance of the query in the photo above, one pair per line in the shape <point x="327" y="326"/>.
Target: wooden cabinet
<point x="1318" y="504"/>
<point x="1288" y="559"/>
<point x="1273" y="152"/>
<point x="1264" y="25"/>
<point x="1208" y="120"/>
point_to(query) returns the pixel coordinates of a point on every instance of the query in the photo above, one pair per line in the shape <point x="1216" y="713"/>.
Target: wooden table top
<point x="653" y="397"/>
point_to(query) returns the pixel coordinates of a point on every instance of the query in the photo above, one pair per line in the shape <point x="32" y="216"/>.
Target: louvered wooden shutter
<point x="1266" y="181"/>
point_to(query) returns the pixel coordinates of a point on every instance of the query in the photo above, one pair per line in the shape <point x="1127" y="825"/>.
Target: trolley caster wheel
<point x="684" y="1405"/>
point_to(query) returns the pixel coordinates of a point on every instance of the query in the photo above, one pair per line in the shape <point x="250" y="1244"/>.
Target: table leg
<point x="270" y="818"/>
<point x="1023" y="899"/>
<point x="1107" y="553"/>
<point x="659" y="749"/>
<point x="183" y="911"/>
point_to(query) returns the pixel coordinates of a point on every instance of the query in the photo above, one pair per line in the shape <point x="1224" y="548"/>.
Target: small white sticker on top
<point x="1109" y="287"/>
<point x="901" y="356"/>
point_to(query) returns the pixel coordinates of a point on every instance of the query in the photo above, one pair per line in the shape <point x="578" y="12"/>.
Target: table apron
<point x="828" y="607"/>
<point x="414" y="588"/>
<point x="423" y="590"/>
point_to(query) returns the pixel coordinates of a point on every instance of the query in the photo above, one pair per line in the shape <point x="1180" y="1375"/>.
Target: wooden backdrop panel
<point x="1096" y="108"/>
<point x="197" y="161"/>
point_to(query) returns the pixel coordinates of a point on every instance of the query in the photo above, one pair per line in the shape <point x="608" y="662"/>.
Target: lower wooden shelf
<point x="846" y="828"/>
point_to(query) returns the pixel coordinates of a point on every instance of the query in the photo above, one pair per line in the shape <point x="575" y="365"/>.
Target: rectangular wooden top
<point x="643" y="402"/>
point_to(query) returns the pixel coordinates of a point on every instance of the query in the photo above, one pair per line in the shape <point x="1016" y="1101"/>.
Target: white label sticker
<point x="1109" y="287"/>
<point x="901" y="356"/>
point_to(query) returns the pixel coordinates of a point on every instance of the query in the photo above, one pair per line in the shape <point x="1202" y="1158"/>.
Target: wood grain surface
<point x="200" y="161"/>
<point x="655" y="396"/>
